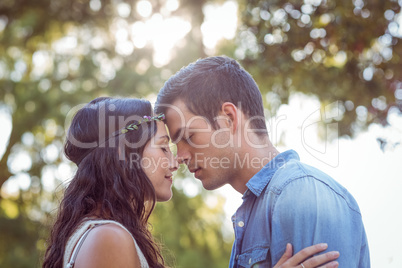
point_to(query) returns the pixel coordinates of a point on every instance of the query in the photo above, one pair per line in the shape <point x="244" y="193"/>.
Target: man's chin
<point x="209" y="184"/>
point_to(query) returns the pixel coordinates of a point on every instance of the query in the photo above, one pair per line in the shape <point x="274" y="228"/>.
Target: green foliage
<point x="346" y="51"/>
<point x="191" y="231"/>
<point x="19" y="242"/>
<point x="55" y="55"/>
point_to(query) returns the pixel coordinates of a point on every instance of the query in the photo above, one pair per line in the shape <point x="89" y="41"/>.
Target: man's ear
<point x="231" y="112"/>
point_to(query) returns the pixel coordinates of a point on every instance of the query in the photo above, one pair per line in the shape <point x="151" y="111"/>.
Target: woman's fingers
<point x="332" y="264"/>
<point x="288" y="253"/>
<point x="305" y="256"/>
<point x="321" y="259"/>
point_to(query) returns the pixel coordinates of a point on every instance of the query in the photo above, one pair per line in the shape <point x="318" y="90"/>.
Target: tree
<point x="55" y="55"/>
<point x="346" y="51"/>
<point x="192" y="231"/>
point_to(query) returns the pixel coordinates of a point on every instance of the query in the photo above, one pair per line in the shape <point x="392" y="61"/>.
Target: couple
<point x="214" y="113"/>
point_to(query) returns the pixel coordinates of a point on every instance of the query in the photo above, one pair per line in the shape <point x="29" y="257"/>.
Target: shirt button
<point x="237" y="257"/>
<point x="249" y="261"/>
<point x="240" y="224"/>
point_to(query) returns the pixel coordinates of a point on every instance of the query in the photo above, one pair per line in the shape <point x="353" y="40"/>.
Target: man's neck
<point x="251" y="161"/>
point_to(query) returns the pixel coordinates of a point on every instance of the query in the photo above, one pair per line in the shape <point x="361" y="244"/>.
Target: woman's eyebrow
<point x="164" y="137"/>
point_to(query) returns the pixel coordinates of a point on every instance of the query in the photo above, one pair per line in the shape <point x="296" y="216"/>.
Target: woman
<point x="124" y="167"/>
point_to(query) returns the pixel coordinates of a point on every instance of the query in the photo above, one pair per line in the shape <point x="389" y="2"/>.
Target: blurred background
<point x="330" y="73"/>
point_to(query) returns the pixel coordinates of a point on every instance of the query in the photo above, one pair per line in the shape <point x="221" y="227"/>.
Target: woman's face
<point x="158" y="163"/>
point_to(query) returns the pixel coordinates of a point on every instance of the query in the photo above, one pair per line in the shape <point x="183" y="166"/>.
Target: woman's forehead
<point x="161" y="133"/>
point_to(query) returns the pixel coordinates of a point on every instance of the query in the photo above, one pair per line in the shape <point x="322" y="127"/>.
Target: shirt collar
<point x="260" y="180"/>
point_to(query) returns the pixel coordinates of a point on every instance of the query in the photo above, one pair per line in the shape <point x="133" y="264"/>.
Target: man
<point x="214" y="113"/>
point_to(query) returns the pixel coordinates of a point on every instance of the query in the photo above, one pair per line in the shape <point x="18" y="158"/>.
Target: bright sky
<point x="161" y="31"/>
<point x="371" y="175"/>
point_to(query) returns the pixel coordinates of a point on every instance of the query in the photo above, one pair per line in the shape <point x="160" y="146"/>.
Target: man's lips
<point x="196" y="171"/>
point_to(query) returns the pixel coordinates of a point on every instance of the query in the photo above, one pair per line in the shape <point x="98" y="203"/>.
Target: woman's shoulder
<point x="108" y="245"/>
<point x="111" y="233"/>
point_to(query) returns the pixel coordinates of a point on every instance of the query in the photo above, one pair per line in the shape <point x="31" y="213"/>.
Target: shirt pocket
<point x="256" y="257"/>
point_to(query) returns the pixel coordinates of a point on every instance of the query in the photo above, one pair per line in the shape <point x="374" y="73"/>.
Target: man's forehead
<point x="178" y="114"/>
<point x="177" y="107"/>
<point x="179" y="119"/>
<point x="175" y="121"/>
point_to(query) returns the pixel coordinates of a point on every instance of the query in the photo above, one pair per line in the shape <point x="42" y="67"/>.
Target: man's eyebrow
<point x="176" y="135"/>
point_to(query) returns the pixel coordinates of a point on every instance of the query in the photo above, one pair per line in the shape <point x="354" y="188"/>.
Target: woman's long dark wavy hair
<point x="107" y="185"/>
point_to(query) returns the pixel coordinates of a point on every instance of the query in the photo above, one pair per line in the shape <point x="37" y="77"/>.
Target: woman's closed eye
<point x="165" y="148"/>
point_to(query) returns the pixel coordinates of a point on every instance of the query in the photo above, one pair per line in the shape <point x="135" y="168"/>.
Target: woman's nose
<point x="174" y="165"/>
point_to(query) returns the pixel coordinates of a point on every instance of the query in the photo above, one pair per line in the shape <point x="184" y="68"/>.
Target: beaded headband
<point x="134" y="126"/>
<point x="131" y="127"/>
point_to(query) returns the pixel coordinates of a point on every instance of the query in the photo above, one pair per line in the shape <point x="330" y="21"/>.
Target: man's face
<point x="207" y="152"/>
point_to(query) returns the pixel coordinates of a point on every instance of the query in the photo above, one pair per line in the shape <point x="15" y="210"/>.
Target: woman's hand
<point x="304" y="259"/>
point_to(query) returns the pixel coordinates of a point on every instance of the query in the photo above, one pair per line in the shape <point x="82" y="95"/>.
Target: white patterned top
<point x="77" y="238"/>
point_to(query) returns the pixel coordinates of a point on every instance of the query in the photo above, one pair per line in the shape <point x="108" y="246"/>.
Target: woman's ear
<point x="230" y="111"/>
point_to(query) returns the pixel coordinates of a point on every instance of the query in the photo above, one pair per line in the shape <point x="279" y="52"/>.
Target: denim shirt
<point x="290" y="202"/>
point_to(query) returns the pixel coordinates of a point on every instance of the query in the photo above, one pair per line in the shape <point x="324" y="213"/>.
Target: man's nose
<point x="183" y="156"/>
